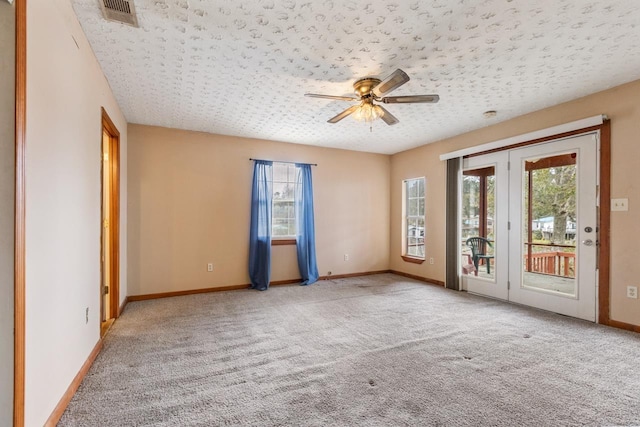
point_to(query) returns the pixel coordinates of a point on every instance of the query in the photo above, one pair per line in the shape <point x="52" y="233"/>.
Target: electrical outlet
<point x="86" y="316"/>
<point x="619" y="204"/>
<point x="431" y="261"/>
<point x="210" y="267"/>
<point x="632" y="292"/>
<point x="346" y="257"/>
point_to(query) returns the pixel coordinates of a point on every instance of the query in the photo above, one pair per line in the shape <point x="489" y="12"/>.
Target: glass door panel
<point x="483" y="222"/>
<point x="549" y="223"/>
<point x="478" y="212"/>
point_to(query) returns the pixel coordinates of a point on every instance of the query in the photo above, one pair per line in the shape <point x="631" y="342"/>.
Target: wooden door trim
<point x="604" y="249"/>
<point x="19" y="311"/>
<point x="107" y="123"/>
<point x="604" y="253"/>
<point x="114" y="214"/>
<point x="549" y="138"/>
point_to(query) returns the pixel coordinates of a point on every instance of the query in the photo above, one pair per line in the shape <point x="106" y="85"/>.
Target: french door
<point x="485" y="189"/>
<point x="553" y="236"/>
<point x="536" y="207"/>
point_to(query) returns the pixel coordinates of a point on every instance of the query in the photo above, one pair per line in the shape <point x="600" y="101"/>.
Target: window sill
<point x="281" y="242"/>
<point x="412" y="259"/>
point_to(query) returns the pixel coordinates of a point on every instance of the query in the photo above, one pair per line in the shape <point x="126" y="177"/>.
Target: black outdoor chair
<point x="478" y="247"/>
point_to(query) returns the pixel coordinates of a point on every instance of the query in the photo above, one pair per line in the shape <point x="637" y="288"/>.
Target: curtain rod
<point x="279" y="161"/>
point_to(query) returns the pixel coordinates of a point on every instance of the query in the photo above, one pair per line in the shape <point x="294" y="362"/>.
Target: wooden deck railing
<point x="556" y="263"/>
<point x="552" y="262"/>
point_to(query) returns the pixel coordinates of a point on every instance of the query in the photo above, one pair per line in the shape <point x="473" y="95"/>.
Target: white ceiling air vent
<point x="120" y="11"/>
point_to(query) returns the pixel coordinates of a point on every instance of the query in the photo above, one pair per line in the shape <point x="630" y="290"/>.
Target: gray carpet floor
<point x="369" y="351"/>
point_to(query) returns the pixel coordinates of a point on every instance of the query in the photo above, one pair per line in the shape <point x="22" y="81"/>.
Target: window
<point x="414" y="246"/>
<point x="283" y="224"/>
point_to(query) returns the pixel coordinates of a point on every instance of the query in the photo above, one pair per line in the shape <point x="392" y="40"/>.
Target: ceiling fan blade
<point x="388" y="118"/>
<point x="339" y="98"/>
<point x="344" y="114"/>
<point x="412" y="99"/>
<point x="394" y="81"/>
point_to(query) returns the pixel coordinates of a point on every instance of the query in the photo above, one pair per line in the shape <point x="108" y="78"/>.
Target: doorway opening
<point x="109" y="224"/>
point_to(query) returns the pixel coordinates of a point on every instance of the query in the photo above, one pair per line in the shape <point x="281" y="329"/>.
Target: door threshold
<point x="105" y="326"/>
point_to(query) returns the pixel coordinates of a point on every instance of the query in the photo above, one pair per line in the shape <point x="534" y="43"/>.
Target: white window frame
<point x="406" y="218"/>
<point x="291" y="179"/>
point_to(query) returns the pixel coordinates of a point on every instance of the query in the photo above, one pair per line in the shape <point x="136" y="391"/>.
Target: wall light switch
<point x="619" y="204"/>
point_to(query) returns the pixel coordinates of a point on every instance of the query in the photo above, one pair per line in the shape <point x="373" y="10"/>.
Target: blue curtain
<point x="260" y="232"/>
<point x="305" y="231"/>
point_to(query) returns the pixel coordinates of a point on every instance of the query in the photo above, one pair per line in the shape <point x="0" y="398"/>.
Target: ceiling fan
<point x="370" y="89"/>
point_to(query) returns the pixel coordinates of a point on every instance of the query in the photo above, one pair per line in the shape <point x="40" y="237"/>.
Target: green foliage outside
<point x="554" y="195"/>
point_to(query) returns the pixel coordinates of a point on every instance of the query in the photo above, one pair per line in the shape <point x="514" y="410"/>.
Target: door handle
<point x="587" y="242"/>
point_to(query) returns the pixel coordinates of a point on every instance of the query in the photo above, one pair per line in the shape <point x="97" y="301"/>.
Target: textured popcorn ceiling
<point x="241" y="67"/>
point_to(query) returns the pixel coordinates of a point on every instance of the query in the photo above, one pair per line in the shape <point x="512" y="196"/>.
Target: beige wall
<point x="621" y="104"/>
<point x="7" y="188"/>
<point x="65" y="90"/>
<point x="189" y="201"/>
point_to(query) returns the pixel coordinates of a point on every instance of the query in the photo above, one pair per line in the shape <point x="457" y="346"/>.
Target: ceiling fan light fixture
<point x="368" y="112"/>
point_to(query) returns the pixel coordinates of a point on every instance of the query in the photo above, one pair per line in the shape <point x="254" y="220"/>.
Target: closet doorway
<point x="110" y="224"/>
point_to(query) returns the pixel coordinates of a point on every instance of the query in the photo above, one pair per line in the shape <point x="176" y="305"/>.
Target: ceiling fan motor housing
<point x="364" y="86"/>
